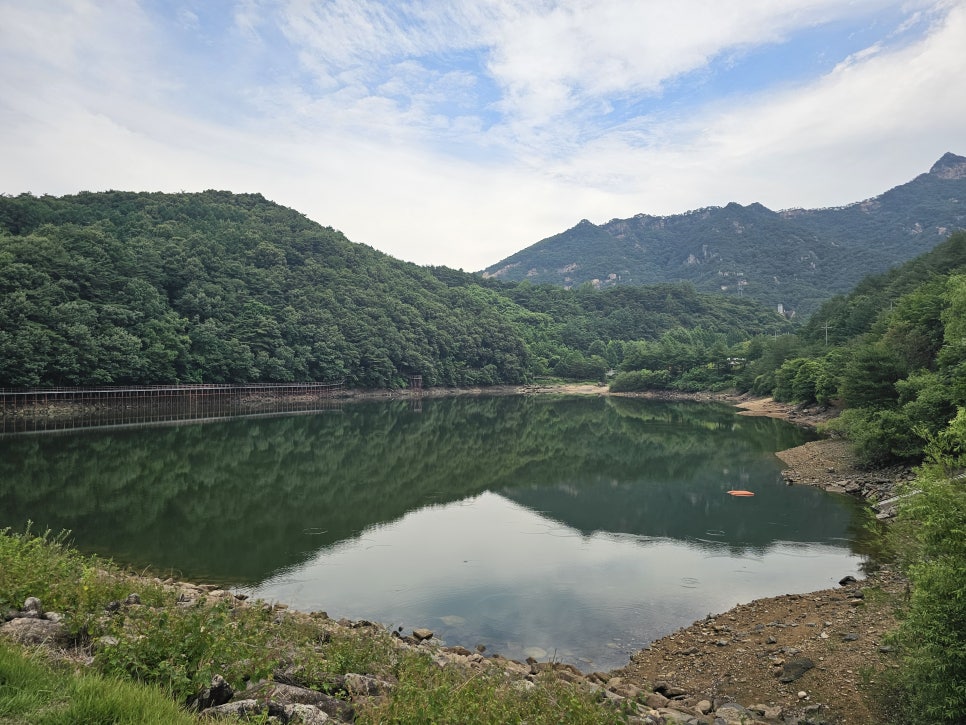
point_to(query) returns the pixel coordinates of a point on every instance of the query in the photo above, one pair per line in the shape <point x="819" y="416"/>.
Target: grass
<point x="151" y="660"/>
<point x="35" y="692"/>
<point x="431" y="694"/>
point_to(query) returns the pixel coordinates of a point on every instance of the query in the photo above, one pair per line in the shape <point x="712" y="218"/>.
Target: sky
<point x="456" y="133"/>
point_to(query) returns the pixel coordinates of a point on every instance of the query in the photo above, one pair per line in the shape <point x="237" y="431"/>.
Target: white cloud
<point x="400" y="145"/>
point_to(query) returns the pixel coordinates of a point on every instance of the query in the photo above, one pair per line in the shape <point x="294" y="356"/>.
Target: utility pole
<point x="826" y="333"/>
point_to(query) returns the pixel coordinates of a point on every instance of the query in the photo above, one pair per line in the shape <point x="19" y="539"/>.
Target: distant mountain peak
<point x="795" y="258"/>
<point x="950" y="166"/>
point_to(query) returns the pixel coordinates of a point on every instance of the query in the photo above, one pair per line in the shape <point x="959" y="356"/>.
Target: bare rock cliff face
<point x="950" y="166"/>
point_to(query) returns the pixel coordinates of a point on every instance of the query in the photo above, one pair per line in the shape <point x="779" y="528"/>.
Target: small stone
<point x="795" y="668"/>
<point x="422" y="633"/>
<point x="847" y="580"/>
<point x="32" y="605"/>
<point x="802" y="694"/>
<point x="850" y="637"/>
<point x="133" y="598"/>
<point x="771" y="640"/>
<point x="704" y="707"/>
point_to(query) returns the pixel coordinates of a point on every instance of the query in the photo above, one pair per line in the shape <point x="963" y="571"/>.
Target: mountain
<point x="795" y="258"/>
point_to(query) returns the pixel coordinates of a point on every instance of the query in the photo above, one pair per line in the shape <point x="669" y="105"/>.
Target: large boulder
<point x="25" y="630"/>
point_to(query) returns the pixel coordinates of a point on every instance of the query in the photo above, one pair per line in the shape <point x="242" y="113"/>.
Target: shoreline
<point x="739" y="655"/>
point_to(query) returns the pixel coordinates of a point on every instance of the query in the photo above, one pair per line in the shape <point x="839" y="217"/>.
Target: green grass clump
<point x="428" y="693"/>
<point x="33" y="692"/>
<point x="181" y="649"/>
<point x="64" y="580"/>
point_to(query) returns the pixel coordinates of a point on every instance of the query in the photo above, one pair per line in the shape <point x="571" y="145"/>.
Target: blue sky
<point x="452" y="132"/>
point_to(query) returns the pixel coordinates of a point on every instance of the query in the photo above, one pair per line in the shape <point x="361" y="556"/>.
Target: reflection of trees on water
<point x="240" y="499"/>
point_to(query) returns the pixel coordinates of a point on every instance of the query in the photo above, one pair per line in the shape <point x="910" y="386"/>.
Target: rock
<point x="675" y="716"/>
<point x="656" y="700"/>
<point x="795" y="668"/>
<point x="457" y="650"/>
<point x="33" y="606"/>
<point x="293" y="695"/>
<point x="306" y="715"/>
<point x="217" y="693"/>
<point x="366" y="686"/>
<point x="769" y="712"/>
<point x="26" y="630"/>
<point x="704" y="707"/>
<point x="422" y="634"/>
<point x="802" y="694"/>
<point x="731" y="713"/>
<point x="133" y="598"/>
<point x="850" y="637"/>
<point x="243" y="709"/>
<point x="669" y="691"/>
<point x="846" y="580"/>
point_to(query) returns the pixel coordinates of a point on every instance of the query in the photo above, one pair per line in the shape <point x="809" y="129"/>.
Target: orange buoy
<point x="741" y="493"/>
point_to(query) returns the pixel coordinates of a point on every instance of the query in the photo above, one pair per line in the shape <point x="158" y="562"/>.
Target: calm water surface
<point x="569" y="527"/>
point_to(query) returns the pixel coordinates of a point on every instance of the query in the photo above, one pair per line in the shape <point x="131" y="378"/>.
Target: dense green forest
<point x="124" y="287"/>
<point x="892" y="353"/>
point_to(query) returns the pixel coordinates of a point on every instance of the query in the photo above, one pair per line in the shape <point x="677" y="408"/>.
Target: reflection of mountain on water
<point x="696" y="510"/>
<point x="240" y="499"/>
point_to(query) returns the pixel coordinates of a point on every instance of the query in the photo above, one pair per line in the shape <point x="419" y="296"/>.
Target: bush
<point x="638" y="380"/>
<point x="880" y="437"/>
<point x="182" y="649"/>
<point x="932" y="635"/>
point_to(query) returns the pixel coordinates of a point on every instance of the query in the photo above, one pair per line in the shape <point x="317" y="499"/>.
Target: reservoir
<point x="573" y="528"/>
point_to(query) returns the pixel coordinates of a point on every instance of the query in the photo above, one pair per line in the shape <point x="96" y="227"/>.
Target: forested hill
<point x="124" y="287"/>
<point x="796" y="258"/>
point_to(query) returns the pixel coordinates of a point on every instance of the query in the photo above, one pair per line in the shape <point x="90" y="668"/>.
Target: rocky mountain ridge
<point x="792" y="259"/>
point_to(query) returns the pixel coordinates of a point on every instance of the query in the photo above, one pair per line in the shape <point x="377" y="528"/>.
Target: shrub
<point x="637" y="380"/>
<point x="933" y="632"/>
<point x="880" y="437"/>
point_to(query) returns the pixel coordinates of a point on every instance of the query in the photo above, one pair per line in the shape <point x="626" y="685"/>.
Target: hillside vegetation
<point x="892" y="353"/>
<point x="796" y="258"/>
<point x="123" y="287"/>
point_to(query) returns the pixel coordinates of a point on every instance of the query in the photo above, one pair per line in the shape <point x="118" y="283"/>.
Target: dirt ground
<point x="742" y="654"/>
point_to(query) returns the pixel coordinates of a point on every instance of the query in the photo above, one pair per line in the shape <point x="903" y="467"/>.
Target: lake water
<point x="579" y="528"/>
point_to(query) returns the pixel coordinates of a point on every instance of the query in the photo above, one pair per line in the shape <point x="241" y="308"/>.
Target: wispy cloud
<point x="458" y="132"/>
